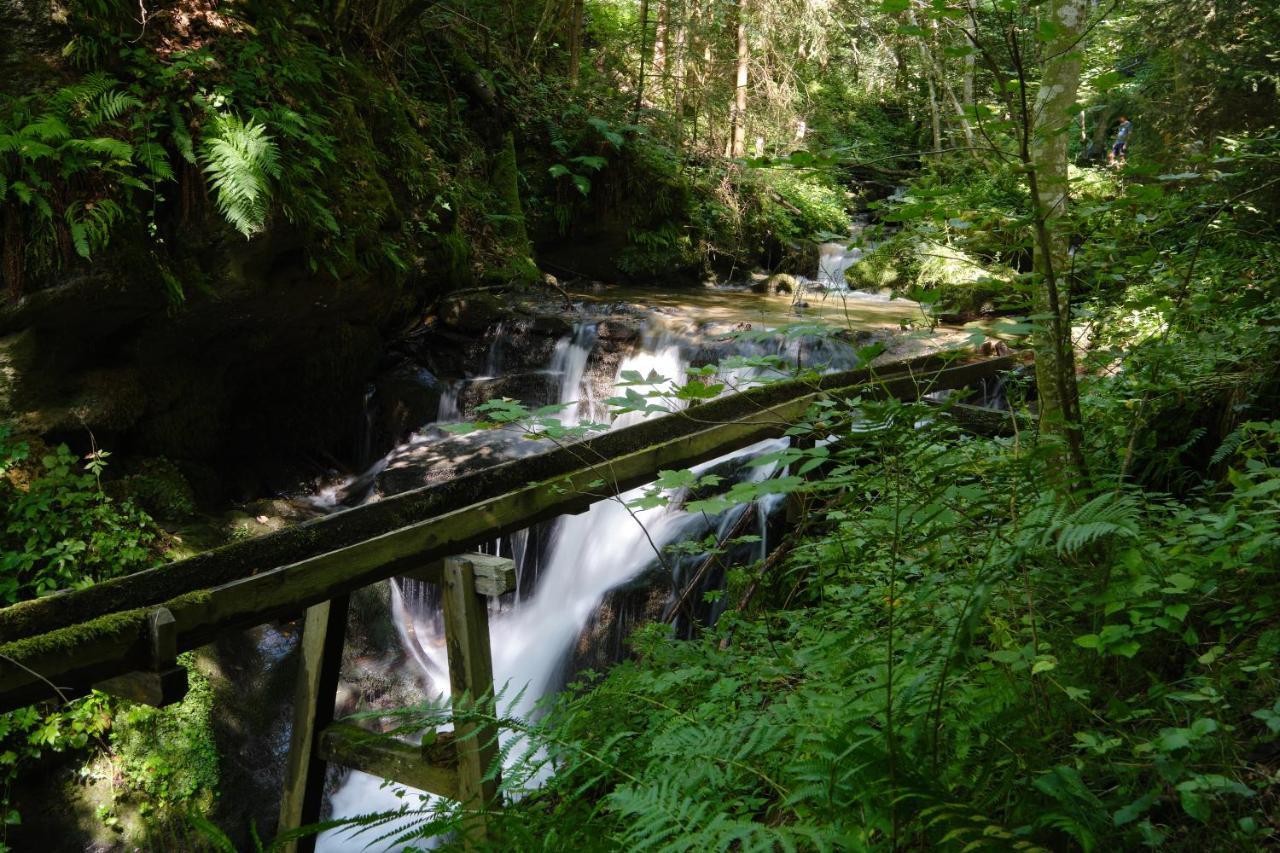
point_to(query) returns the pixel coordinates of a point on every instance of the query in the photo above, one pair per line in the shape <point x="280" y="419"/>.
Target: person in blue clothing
<point x="1121" y="146"/>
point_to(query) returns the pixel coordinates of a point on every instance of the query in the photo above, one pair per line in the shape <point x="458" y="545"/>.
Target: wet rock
<point x="615" y="331"/>
<point x="473" y="311"/>
<point x="533" y="389"/>
<point x="776" y="284"/>
<point x="405" y="399"/>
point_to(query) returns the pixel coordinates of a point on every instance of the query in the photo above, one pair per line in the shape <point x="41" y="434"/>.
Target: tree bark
<point x="738" y="115"/>
<point x="680" y="43"/>
<point x="575" y="43"/>
<point x="644" y="38"/>
<point x="1046" y="128"/>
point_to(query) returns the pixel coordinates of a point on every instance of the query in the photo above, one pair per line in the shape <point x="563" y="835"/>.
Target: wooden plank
<point x="110" y="644"/>
<point x="466" y="629"/>
<point x="292" y="544"/>
<point x="315" y="694"/>
<point x="378" y="755"/>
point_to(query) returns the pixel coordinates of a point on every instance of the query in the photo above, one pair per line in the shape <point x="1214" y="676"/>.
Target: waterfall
<point x="569" y="360"/>
<point x="587" y="556"/>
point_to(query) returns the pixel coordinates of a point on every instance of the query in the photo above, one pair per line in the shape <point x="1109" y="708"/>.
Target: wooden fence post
<point x="319" y="664"/>
<point x="466" y="622"/>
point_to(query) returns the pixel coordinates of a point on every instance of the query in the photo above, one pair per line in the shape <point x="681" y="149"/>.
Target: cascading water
<point x="567" y="568"/>
<point x="587" y="556"/>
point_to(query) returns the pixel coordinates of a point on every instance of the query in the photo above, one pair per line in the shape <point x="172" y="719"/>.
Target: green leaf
<point x="1195" y="805"/>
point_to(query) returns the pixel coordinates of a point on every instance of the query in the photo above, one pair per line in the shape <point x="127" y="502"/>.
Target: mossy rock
<point x="156" y="485"/>
<point x="965" y="285"/>
<point x="775" y="284"/>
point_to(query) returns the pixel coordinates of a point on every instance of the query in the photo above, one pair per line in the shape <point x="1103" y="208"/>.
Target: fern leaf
<point x="152" y="157"/>
<point x="110" y="105"/>
<point x="48" y="128"/>
<point x="240" y="159"/>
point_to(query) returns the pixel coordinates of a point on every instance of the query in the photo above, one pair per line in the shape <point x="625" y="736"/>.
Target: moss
<point x="72" y="639"/>
<point x="158" y="487"/>
<point x="506" y="184"/>
<point x="953" y="281"/>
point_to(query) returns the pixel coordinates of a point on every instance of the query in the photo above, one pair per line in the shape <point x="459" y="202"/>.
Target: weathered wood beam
<point x="466" y="631"/>
<point x="987" y="422"/>
<point x="299" y="542"/>
<point x="432" y="769"/>
<point x="494" y="575"/>
<point x="111" y="644"/>
<point x="315" y="695"/>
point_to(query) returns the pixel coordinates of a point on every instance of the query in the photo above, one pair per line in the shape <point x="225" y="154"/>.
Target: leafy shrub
<point x="949" y="279"/>
<point x="58" y="529"/>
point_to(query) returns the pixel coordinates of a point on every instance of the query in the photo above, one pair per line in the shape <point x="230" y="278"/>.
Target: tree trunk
<point x="970" y="67"/>
<point x="660" y="43"/>
<point x="1045" y="136"/>
<point x="934" y="118"/>
<point x="644" y="38"/>
<point x="680" y="41"/>
<point x="575" y="43"/>
<point x="738" y="115"/>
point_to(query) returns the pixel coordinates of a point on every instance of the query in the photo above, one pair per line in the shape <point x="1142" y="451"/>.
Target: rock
<point x="405" y="399"/>
<point x="472" y="312"/>
<point x="777" y="283"/>
<point x="618" y="331"/>
<point x="538" y="388"/>
<point x="781" y="283"/>
<point x="18" y="368"/>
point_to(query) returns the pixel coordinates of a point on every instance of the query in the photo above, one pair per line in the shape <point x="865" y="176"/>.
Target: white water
<point x="589" y="555"/>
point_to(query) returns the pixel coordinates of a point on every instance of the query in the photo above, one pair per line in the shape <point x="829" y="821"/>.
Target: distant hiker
<point x="1121" y="147"/>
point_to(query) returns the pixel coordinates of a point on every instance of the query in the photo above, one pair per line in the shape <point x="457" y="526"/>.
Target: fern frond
<point x="152" y="157"/>
<point x="1105" y="516"/>
<point x="106" y="146"/>
<point x="109" y="106"/>
<point x="48" y="128"/>
<point x="240" y="159"/>
<point x="82" y="92"/>
<point x="90" y="225"/>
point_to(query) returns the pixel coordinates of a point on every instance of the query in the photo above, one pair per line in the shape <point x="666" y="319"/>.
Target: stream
<point x="584" y="580"/>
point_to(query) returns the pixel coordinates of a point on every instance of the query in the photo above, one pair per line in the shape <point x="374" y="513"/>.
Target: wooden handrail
<point x="82" y="637"/>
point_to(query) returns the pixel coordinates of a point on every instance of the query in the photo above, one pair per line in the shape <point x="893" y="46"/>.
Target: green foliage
<point x="240" y="159"/>
<point x="30" y="735"/>
<point x="166" y="757"/>
<point x="58" y="529"/>
<point x="935" y="675"/>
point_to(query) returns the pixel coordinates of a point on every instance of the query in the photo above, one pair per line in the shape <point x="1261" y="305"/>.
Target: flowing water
<point x="568" y="567"/>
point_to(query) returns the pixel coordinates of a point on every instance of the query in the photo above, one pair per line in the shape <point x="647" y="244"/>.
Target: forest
<point x="667" y="425"/>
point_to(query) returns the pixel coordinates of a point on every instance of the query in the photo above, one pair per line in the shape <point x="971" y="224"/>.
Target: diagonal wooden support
<point x="432" y="768"/>
<point x="319" y="664"/>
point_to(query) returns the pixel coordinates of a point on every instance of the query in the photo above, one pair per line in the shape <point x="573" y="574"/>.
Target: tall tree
<point x="1044" y="152"/>
<point x="738" y="112"/>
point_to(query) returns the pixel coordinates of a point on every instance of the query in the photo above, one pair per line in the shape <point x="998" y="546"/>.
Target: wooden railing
<point x="124" y="635"/>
